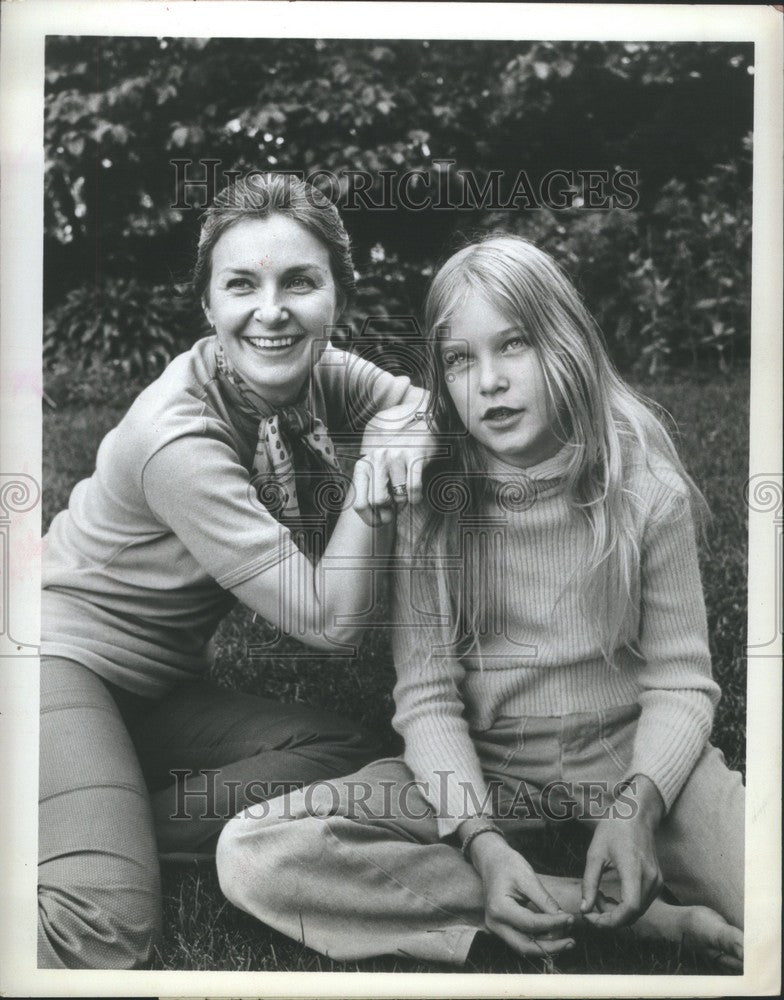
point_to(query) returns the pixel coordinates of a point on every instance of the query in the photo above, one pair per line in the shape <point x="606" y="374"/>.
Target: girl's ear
<point x="207" y="312"/>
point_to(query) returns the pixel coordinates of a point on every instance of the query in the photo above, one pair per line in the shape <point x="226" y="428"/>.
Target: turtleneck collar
<point x="553" y="468"/>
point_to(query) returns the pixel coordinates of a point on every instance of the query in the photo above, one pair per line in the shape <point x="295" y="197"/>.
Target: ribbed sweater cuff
<point x="442" y="754"/>
<point x="667" y="746"/>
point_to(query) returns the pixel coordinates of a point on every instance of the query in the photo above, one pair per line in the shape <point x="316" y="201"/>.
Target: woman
<point x="219" y="484"/>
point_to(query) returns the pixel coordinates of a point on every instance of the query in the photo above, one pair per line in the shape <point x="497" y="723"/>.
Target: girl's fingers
<point x="631" y="906"/>
<point x="540" y="897"/>
<point x="525" y="920"/>
<point x="525" y="945"/>
<point x="594" y="866"/>
<point x="605" y="903"/>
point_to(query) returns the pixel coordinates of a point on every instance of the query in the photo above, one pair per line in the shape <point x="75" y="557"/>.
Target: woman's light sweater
<point x="139" y="570"/>
<point x="537" y="654"/>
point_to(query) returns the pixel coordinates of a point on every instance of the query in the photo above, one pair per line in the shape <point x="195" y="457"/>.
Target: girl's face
<point x="271" y="295"/>
<point x="496" y="383"/>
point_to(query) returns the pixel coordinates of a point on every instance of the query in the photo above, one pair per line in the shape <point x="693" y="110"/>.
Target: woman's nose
<point x="270" y="311"/>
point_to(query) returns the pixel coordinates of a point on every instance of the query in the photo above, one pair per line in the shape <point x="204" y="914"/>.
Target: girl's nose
<point x="491" y="379"/>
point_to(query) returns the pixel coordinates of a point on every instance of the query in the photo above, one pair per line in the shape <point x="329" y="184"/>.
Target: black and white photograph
<point x="391" y="498"/>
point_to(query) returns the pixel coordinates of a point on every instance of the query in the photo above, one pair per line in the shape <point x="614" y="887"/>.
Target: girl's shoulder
<point x="656" y="485"/>
<point x="655" y="472"/>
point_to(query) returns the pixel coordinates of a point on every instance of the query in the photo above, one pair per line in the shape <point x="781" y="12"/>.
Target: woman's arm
<point x="389" y="412"/>
<point x="198" y="489"/>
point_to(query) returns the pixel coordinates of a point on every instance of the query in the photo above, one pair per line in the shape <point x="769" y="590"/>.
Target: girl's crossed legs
<point x="355" y="868"/>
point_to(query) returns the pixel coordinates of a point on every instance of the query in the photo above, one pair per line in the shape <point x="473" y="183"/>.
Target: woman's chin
<point x="278" y="386"/>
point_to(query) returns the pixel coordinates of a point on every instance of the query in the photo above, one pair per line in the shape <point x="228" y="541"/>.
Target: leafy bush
<point x="98" y="383"/>
<point x="668" y="281"/>
<point x="137" y="327"/>
<point x="669" y="289"/>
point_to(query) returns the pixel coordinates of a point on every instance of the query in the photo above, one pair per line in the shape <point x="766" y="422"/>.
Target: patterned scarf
<point x="282" y="433"/>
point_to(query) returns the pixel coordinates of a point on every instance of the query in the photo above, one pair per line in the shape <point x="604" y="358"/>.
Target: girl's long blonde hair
<point x="607" y="424"/>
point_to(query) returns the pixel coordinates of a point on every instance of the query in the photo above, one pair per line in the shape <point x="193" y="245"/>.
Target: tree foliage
<point x="120" y="109"/>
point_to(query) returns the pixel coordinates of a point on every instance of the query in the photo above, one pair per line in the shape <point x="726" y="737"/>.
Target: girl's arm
<point x="679" y="695"/>
<point x="678" y="700"/>
<point x="440" y="752"/>
<point x="429" y="711"/>
<point x="198" y="489"/>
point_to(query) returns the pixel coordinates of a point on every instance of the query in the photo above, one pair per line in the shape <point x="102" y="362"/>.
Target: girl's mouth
<point x="500" y="416"/>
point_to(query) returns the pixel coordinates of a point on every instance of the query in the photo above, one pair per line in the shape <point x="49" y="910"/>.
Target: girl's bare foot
<point x="698" y="927"/>
<point x="707" y="931"/>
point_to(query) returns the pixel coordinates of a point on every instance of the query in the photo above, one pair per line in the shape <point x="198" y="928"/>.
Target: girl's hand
<point x="626" y="845"/>
<point x="395" y="450"/>
<point x="518" y="908"/>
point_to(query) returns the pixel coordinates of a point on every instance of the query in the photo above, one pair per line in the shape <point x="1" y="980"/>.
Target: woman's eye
<point x="238" y="283"/>
<point x="300" y="283"/>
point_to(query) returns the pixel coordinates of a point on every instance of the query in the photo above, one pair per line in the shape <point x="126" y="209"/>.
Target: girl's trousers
<point x="124" y="779"/>
<point x="355" y="868"/>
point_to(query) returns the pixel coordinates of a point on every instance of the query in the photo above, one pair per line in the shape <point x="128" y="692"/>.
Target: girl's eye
<point x="238" y="283"/>
<point x="514" y="343"/>
<point x="454" y="358"/>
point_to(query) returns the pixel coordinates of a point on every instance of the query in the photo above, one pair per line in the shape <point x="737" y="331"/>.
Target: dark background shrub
<point x="668" y="280"/>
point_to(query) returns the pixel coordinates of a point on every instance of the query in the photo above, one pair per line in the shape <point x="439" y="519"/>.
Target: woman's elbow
<point x="340" y="639"/>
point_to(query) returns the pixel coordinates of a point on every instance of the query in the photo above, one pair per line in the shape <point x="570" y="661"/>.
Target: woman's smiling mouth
<point x="272" y="343"/>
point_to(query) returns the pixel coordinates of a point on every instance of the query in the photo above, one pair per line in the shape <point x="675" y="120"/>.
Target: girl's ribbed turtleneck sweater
<point x="536" y="654"/>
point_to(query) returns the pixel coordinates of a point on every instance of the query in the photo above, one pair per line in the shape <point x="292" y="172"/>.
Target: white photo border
<point x="24" y="28"/>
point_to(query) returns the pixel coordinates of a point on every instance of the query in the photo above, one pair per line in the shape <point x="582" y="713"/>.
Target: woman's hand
<point x="395" y="450"/>
<point x="518" y="908"/>
<point x="626" y="844"/>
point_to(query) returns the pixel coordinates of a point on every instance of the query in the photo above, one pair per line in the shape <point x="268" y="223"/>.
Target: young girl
<point x="552" y="658"/>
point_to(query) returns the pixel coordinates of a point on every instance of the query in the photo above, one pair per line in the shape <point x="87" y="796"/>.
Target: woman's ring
<point x="400" y="491"/>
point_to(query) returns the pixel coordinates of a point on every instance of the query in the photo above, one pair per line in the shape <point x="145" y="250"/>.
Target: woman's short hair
<point x="259" y="196"/>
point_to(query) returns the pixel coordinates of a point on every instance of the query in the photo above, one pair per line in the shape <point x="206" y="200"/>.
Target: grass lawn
<point x="203" y="931"/>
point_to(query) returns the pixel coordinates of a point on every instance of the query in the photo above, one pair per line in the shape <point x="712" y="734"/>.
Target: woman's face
<point x="497" y="385"/>
<point x="270" y="298"/>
